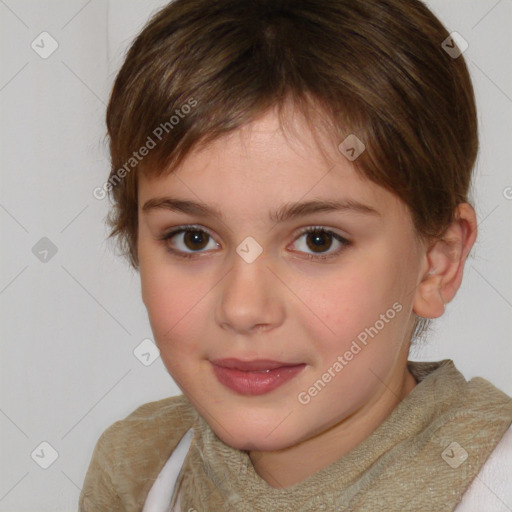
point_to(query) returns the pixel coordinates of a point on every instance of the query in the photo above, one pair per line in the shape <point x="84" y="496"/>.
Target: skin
<point x="285" y="306"/>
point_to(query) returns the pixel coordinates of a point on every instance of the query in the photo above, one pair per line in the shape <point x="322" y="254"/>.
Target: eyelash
<point x="312" y="229"/>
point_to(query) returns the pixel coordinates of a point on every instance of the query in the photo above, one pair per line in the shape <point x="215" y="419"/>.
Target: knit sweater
<point x="423" y="457"/>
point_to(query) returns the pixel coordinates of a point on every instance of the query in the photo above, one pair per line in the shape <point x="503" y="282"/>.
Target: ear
<point x="444" y="264"/>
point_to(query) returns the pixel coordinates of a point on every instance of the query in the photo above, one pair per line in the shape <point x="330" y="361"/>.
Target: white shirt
<point x="491" y="490"/>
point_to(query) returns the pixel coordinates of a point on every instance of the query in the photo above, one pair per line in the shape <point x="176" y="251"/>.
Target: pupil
<point x="195" y="237"/>
<point x="319" y="240"/>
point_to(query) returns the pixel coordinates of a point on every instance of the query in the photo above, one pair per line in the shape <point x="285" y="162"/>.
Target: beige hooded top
<point x="421" y="458"/>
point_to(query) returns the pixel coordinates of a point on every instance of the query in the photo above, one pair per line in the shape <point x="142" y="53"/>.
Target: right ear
<point x="445" y="261"/>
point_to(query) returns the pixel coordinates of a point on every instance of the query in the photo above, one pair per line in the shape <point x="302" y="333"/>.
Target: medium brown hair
<point x="374" y="68"/>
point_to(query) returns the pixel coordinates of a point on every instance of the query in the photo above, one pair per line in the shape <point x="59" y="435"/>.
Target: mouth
<point x="255" y="377"/>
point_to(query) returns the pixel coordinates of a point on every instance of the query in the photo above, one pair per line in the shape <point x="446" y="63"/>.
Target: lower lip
<point x="255" y="383"/>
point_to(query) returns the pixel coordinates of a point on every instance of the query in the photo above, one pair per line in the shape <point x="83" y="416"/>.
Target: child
<point x="290" y="178"/>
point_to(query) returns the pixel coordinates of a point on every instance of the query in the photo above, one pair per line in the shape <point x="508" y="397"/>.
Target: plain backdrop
<point x="71" y="313"/>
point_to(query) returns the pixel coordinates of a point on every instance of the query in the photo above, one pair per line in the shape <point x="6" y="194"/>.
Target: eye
<point x="192" y="241"/>
<point x="319" y="240"/>
<point x="188" y="240"/>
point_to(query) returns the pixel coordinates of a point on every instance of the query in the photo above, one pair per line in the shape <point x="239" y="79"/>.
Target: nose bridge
<point x="248" y="299"/>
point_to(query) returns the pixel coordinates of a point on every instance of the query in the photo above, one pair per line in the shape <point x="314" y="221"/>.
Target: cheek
<point x="354" y="304"/>
<point x="176" y="306"/>
<point x="346" y="302"/>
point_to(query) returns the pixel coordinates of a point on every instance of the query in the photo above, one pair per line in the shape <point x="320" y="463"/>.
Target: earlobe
<point x="445" y="259"/>
<point x="429" y="302"/>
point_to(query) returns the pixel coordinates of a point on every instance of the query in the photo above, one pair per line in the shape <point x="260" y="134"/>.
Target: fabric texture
<point x="423" y="457"/>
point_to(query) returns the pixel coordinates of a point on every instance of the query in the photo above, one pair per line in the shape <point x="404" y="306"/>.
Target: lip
<point x="255" y="377"/>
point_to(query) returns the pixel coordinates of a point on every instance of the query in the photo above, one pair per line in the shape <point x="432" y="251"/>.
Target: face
<point x="274" y="333"/>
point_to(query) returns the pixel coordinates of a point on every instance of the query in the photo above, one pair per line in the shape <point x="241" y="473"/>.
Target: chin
<point x="249" y="438"/>
<point x="249" y="443"/>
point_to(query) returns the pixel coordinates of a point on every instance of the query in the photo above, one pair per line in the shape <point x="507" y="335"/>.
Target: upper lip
<point x="248" y="366"/>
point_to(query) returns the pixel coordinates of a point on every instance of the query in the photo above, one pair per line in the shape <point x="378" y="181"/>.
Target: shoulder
<point x="159" y="424"/>
<point x="491" y="490"/>
<point x="131" y="452"/>
<point x="169" y="413"/>
<point x="153" y="426"/>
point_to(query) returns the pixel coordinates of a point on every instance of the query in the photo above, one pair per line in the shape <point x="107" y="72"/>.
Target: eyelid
<point x="185" y="227"/>
<point x="317" y="227"/>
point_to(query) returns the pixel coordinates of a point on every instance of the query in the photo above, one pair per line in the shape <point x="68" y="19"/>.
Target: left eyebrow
<point x="286" y="212"/>
<point x="294" y="210"/>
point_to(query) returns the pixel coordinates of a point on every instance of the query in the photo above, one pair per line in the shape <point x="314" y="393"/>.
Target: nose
<point x="250" y="298"/>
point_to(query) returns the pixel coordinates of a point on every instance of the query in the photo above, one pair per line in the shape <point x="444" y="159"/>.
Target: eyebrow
<point x="286" y="212"/>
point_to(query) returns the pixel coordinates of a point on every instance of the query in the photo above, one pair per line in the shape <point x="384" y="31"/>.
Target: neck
<point x="283" y="468"/>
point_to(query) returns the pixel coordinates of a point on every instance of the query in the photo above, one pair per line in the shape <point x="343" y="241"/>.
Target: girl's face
<point x="229" y="273"/>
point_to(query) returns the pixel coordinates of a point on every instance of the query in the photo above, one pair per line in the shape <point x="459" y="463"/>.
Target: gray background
<point x="69" y="325"/>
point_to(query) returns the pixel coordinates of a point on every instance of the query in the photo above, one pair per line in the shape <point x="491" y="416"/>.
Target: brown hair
<point x="375" y="68"/>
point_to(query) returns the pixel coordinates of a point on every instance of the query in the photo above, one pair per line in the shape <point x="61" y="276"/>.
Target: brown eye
<point x="195" y="240"/>
<point x="187" y="241"/>
<point x="319" y="240"/>
<point x="316" y="243"/>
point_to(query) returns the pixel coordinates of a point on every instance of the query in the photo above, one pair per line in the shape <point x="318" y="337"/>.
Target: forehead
<point x="263" y="165"/>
